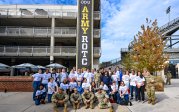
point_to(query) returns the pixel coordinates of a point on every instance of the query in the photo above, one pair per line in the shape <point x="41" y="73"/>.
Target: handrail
<point x="32" y="12"/>
<point x="41" y="31"/>
<point x="169" y="23"/>
<point x="41" y="50"/>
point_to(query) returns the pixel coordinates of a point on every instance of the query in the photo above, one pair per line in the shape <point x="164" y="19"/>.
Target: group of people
<point x="90" y="86"/>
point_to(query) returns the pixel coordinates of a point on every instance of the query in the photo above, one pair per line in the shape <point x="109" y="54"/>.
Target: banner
<point x="84" y="58"/>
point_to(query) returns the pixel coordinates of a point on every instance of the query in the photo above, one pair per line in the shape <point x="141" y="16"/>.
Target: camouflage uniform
<point x="97" y="79"/>
<point x="150" y="88"/>
<point x="88" y="96"/>
<point x="168" y="76"/>
<point x="75" y="97"/>
<point x="58" y="97"/>
<point x="101" y="99"/>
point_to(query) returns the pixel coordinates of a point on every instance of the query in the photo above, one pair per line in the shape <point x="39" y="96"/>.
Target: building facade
<point x="42" y="34"/>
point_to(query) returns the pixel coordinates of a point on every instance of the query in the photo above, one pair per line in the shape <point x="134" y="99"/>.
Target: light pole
<point x="168" y="12"/>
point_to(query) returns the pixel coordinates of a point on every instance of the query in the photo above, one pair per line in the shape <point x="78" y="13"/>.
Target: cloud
<point x="121" y="19"/>
<point x="125" y="20"/>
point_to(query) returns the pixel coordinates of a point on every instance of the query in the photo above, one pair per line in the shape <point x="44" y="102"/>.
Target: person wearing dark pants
<point x="140" y="86"/>
<point x="140" y="92"/>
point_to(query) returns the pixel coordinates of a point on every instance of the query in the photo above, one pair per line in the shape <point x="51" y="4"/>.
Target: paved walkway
<point x="21" y="102"/>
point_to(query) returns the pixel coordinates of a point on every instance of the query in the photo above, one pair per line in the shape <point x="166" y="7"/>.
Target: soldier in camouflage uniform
<point x="168" y="76"/>
<point x="88" y="98"/>
<point x="75" y="99"/>
<point x="103" y="100"/>
<point x="150" y="87"/>
<point x="60" y="99"/>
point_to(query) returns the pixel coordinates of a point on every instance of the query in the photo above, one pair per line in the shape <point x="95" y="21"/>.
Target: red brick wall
<point x="16" y="83"/>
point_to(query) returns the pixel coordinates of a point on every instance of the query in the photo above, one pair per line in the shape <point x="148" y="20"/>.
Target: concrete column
<point x="12" y="69"/>
<point x="52" y="40"/>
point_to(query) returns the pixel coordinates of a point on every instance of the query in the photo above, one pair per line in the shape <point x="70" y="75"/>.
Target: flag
<point x="168" y="10"/>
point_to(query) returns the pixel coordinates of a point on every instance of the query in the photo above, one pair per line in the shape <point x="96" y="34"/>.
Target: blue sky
<point x="121" y="19"/>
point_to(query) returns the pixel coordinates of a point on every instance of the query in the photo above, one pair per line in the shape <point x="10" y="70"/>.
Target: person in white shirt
<point x="74" y="69"/>
<point x="93" y="87"/>
<point x="140" y="86"/>
<point x="114" y="77"/>
<point x="65" y="86"/>
<point x="92" y="76"/>
<point x="52" y="88"/>
<point x="45" y="77"/>
<point x="63" y="75"/>
<point x="39" y="97"/>
<point x="79" y="76"/>
<point x="105" y="87"/>
<point x="72" y="85"/>
<point x="85" y="84"/>
<point x="133" y="85"/>
<point x="126" y="78"/>
<point x="88" y="75"/>
<point x="36" y="81"/>
<point x="114" y="91"/>
<point x="123" y="93"/>
<point x="72" y="75"/>
<point x="54" y="74"/>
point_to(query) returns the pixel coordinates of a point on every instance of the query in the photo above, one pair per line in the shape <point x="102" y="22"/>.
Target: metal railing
<point x="42" y="31"/>
<point x="169" y="25"/>
<point x="42" y="13"/>
<point x="125" y="50"/>
<point x="42" y="51"/>
<point x="111" y="63"/>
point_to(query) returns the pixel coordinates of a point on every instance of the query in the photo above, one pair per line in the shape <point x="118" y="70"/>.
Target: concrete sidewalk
<point x="167" y="101"/>
<point x="22" y="102"/>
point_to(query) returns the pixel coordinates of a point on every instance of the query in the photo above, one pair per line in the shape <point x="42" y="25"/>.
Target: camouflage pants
<point x="168" y="81"/>
<point x="90" y="103"/>
<point x="151" y="93"/>
<point x="104" y="105"/>
<point x="56" y="105"/>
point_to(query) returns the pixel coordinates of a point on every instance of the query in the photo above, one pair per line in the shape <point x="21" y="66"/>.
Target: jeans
<point x="37" y="100"/>
<point x="115" y="96"/>
<point x="132" y="89"/>
<point x="126" y="97"/>
<point x="35" y="85"/>
<point x="49" y="98"/>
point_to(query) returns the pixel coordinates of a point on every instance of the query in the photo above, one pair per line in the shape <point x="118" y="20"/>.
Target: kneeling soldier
<point x="103" y="100"/>
<point x="88" y="98"/>
<point x="60" y="99"/>
<point x="75" y="99"/>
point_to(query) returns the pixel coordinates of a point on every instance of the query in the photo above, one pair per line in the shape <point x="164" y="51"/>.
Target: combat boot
<point x="111" y="109"/>
<point x="86" y="106"/>
<point x="153" y="102"/>
<point x="65" y="109"/>
<point x="149" y="101"/>
<point x="74" y="106"/>
<point x="55" y="110"/>
<point x="91" y="106"/>
<point x="78" y="105"/>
